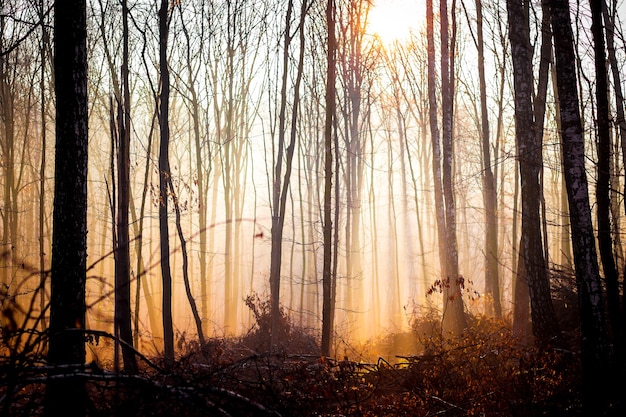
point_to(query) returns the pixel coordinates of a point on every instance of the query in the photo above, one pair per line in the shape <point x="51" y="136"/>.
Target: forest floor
<point x="486" y="372"/>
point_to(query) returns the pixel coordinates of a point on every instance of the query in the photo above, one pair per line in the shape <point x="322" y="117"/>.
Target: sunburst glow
<point x="393" y="20"/>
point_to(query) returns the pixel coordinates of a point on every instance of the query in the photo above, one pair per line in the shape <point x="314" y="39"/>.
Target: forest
<point x="312" y="208"/>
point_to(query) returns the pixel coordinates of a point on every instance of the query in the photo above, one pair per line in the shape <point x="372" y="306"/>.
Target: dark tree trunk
<point x="122" y="259"/>
<point x="529" y="153"/>
<point x="185" y="256"/>
<point x="591" y="305"/>
<point x="603" y="183"/>
<point x="521" y="303"/>
<point x="67" y="396"/>
<point x="42" y="167"/>
<point x="327" y="276"/>
<point x="164" y="175"/>
<point x="609" y="22"/>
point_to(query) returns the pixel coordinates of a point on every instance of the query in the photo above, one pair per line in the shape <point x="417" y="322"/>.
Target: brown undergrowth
<point x="485" y="372"/>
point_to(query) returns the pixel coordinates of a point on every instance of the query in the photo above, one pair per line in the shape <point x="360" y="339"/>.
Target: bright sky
<point x="393" y="20"/>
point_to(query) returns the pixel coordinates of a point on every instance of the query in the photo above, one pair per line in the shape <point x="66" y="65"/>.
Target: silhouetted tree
<point x="67" y="395"/>
<point x="603" y="166"/>
<point x="327" y="276"/>
<point x="123" y="328"/>
<point x="164" y="177"/>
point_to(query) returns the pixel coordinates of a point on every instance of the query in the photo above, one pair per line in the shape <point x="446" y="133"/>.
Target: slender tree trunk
<point x="164" y="175"/>
<point x="185" y="266"/>
<point x="281" y="185"/>
<point x="201" y="150"/>
<point x="376" y="289"/>
<point x="327" y="278"/>
<point x="42" y="167"/>
<point x="609" y="23"/>
<point x="123" y="328"/>
<point x="230" y="318"/>
<point x="565" y="241"/>
<point x="394" y="305"/>
<point x="8" y="148"/>
<point x="603" y="183"/>
<point x="492" y="279"/>
<point x="352" y="67"/>
<point x="435" y="140"/>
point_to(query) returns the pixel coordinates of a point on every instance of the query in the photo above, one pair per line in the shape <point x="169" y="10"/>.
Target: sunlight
<point x="393" y="20"/>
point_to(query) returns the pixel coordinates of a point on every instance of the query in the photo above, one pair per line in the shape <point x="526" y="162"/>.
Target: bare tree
<point x="122" y="259"/>
<point x="603" y="166"/>
<point x="164" y="183"/>
<point x="67" y="396"/>
<point x="327" y="276"/>
<point x="45" y="45"/>
<point x="609" y="24"/>
<point x="492" y="280"/>
<point x="353" y="62"/>
<point x="284" y="156"/>
<point x="529" y="154"/>
<point x="595" y="352"/>
<point x="442" y="147"/>
<point x="202" y="149"/>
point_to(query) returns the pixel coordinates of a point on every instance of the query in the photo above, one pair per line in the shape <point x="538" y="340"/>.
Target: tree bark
<point x="603" y="166"/>
<point x="327" y="277"/>
<point x="596" y="372"/>
<point x="164" y="175"/>
<point x="529" y="154"/>
<point x="67" y="396"/>
<point x="454" y="321"/>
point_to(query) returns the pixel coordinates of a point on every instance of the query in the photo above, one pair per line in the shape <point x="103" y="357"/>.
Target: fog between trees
<point x="247" y="145"/>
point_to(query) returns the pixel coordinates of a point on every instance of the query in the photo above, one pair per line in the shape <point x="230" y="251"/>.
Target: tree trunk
<point x="164" y="175"/>
<point x="545" y="327"/>
<point x="202" y="157"/>
<point x="67" y="396"/>
<point x="42" y="166"/>
<point x="603" y="166"/>
<point x="122" y="259"/>
<point x="492" y="280"/>
<point x="9" y="166"/>
<point x="609" y="23"/>
<point x="521" y="302"/>
<point x="435" y="140"/>
<point x="183" y="250"/>
<point x="327" y="277"/>
<point x="454" y="321"/>
<point x="596" y="372"/>
<point x="281" y="185"/>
